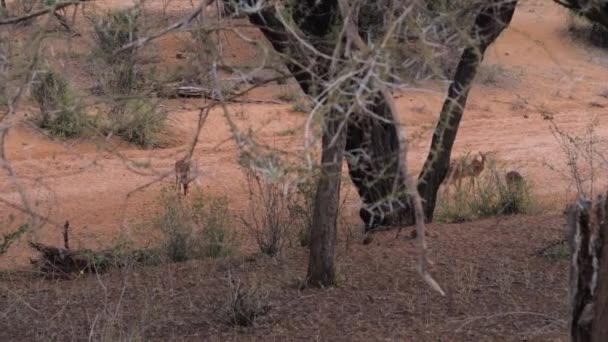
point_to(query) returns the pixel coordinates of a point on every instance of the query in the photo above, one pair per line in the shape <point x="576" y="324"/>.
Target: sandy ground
<point x="535" y="67"/>
<point x="498" y="287"/>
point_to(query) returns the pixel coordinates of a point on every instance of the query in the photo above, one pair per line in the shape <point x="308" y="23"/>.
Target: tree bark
<point x="588" y="239"/>
<point x="372" y="151"/>
<point x="323" y="234"/>
<point x="316" y="19"/>
<point x="489" y="24"/>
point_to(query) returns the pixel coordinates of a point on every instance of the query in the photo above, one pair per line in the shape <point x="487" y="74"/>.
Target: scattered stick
<point x="174" y="90"/>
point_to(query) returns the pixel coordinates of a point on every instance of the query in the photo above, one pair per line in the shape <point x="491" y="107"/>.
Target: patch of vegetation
<point x="56" y="262"/>
<point x="491" y="74"/>
<point x="138" y="121"/>
<point x="557" y="251"/>
<point x="194" y="229"/>
<point x="14" y="235"/>
<point x="269" y="217"/>
<point x="301" y="209"/>
<point x="119" y="72"/>
<point x="114" y="30"/>
<point x="60" y="114"/>
<point x="243" y="305"/>
<point x="288" y="96"/>
<point x="300" y="106"/>
<point x="491" y="196"/>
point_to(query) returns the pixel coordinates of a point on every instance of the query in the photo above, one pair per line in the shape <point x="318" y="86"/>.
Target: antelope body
<point x="186" y="171"/>
<point x="465" y="168"/>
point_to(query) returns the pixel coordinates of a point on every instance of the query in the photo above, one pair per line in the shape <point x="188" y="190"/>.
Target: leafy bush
<point x="114" y="30"/>
<point x="138" y="121"/>
<point x="194" y="230"/>
<point x="59" y="113"/>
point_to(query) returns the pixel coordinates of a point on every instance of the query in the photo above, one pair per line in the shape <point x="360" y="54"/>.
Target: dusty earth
<point x="498" y="287"/>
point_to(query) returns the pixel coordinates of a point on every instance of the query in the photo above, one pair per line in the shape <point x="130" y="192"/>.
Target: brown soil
<point x="498" y="289"/>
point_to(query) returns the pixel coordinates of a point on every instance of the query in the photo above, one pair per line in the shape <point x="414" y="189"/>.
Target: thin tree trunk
<point x="588" y="239"/>
<point x="317" y="19"/>
<point x="323" y="235"/>
<point x="489" y="24"/>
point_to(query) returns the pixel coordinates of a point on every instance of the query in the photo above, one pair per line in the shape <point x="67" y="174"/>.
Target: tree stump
<point x="587" y="234"/>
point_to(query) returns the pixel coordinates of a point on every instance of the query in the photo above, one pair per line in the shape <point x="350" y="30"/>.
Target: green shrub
<point x="138" y="121"/>
<point x="557" y="251"/>
<point x="60" y="114"/>
<point x="120" y="74"/>
<point x="196" y="229"/>
<point x="490" y="197"/>
<point x="114" y="30"/>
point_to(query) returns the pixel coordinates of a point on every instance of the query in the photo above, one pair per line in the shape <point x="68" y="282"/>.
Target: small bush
<point x="492" y="74"/>
<point x="288" y="96"/>
<point x="194" y="230"/>
<point x="138" y="121"/>
<point x="244" y="305"/>
<point x="114" y="30"/>
<point x="300" y="106"/>
<point x="490" y="197"/>
<point x="584" y="160"/>
<point x="494" y="197"/>
<point x="269" y="202"/>
<point x="301" y="208"/>
<point x="14" y="234"/>
<point x="557" y="251"/>
<point x="120" y="74"/>
<point x="121" y="79"/>
<point x="59" y="114"/>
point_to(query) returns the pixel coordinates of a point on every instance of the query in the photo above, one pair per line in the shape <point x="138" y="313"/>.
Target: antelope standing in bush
<point x="464" y="167"/>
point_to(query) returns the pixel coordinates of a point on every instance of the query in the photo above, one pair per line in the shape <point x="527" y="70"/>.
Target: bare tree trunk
<point x="372" y="151"/>
<point x="323" y="235"/>
<point x="489" y="24"/>
<point x="317" y="19"/>
<point x="588" y="239"/>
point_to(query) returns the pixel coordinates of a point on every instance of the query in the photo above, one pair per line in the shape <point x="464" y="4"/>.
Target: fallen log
<point x="65" y="263"/>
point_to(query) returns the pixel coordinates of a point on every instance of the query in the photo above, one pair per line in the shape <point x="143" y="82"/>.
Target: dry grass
<point x="498" y="289"/>
<point x="491" y="196"/>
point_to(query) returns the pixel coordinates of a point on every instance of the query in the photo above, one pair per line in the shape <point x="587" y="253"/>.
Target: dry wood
<point x="586" y="234"/>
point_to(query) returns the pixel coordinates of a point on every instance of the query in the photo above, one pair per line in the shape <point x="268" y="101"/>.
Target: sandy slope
<point x="542" y="70"/>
